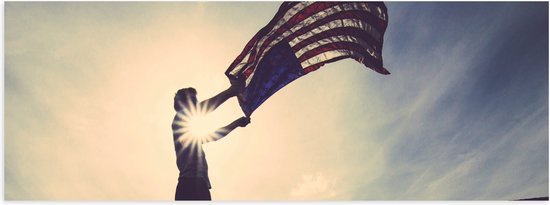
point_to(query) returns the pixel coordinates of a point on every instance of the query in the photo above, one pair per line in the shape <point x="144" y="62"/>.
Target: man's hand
<point x="242" y="122"/>
<point x="237" y="86"/>
<point x="223" y="131"/>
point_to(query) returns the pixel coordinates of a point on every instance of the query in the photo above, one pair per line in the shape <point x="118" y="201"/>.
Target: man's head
<point x="184" y="97"/>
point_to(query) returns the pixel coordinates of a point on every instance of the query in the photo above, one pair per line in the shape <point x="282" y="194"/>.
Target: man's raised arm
<point x="212" y="103"/>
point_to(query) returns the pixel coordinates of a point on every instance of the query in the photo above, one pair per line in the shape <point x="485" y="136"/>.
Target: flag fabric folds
<point x="302" y="37"/>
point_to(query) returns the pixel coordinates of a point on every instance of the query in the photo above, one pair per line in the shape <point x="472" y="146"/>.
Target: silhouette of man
<point x="193" y="181"/>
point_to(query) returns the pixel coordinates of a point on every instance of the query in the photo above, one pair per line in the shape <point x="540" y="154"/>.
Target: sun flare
<point x="197" y="124"/>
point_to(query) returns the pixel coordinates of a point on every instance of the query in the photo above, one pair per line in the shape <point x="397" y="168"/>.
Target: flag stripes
<point x="308" y="15"/>
<point x="317" y="33"/>
<point x="304" y="24"/>
<point x="318" y="28"/>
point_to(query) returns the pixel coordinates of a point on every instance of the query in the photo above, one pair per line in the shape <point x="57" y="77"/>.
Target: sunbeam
<point x="195" y="125"/>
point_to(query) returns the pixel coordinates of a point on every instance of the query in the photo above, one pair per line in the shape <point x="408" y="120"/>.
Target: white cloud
<point x="314" y="187"/>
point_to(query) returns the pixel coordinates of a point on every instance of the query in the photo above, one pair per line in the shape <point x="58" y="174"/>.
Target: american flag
<point x="302" y="37"/>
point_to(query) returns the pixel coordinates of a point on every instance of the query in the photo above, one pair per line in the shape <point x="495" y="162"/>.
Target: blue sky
<point x="463" y="115"/>
<point x="474" y="117"/>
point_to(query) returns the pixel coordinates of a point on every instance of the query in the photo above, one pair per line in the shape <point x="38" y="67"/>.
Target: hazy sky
<point x="89" y="90"/>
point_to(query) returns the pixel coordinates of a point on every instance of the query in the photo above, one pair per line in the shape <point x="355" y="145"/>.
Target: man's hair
<point x="182" y="96"/>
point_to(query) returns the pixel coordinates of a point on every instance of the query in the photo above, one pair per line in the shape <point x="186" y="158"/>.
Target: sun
<point x="200" y="126"/>
<point x="197" y="124"/>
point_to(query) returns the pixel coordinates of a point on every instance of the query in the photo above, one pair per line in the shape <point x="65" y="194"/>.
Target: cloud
<point x="314" y="187"/>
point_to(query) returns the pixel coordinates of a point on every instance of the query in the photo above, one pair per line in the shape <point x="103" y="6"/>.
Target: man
<point x="193" y="181"/>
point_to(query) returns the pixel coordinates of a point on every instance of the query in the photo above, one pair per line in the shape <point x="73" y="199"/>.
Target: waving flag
<point x="304" y="36"/>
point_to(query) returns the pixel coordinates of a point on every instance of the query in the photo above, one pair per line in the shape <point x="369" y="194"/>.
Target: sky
<point x="88" y="91"/>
